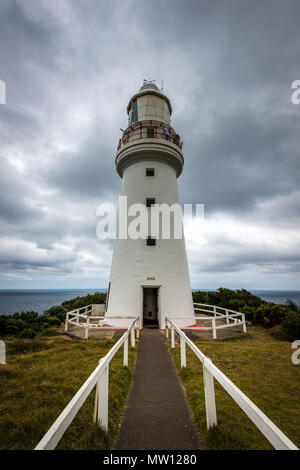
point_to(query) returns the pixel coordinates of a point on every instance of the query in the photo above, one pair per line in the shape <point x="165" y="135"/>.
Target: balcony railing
<point x="149" y="130"/>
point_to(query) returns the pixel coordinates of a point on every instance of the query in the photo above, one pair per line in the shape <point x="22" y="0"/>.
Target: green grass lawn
<point x="42" y="376"/>
<point x="261" y="367"/>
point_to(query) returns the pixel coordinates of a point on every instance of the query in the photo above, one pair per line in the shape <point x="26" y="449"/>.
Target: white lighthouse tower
<point x="149" y="276"/>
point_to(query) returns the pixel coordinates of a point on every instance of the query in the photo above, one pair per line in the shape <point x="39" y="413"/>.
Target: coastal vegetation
<point x="260" y="365"/>
<point x="38" y="359"/>
<point x="31" y="324"/>
<point x="283" y="320"/>
<point x="40" y="378"/>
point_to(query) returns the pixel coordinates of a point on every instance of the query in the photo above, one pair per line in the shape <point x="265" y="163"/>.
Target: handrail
<point x="81" y="308"/>
<point x="98" y="377"/>
<point x="229" y="315"/>
<point x="146" y="130"/>
<point x="73" y="318"/>
<point x="216" y="306"/>
<point x="210" y="372"/>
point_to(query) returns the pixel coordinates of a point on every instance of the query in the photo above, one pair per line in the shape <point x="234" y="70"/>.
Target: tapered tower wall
<point x="135" y="264"/>
<point x="165" y="263"/>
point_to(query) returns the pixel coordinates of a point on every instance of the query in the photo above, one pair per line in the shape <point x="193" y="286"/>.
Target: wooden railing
<point x="149" y="130"/>
<point x="84" y="318"/>
<point x="98" y="378"/>
<point x="230" y="317"/>
<point x="210" y="372"/>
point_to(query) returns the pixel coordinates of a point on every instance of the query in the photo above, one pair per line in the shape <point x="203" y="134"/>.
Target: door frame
<point x="150" y="286"/>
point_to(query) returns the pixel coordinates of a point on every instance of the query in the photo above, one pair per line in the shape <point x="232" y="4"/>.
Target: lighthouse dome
<point x="149" y="85"/>
<point x="150" y="103"/>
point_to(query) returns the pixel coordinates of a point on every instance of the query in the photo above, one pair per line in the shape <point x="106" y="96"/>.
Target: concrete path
<point x="157" y="415"/>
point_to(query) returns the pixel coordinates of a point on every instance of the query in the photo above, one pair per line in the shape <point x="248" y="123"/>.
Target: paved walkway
<point x="157" y="415"/>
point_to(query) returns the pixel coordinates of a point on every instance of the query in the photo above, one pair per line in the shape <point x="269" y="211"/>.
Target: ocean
<point x="12" y="301"/>
<point x="23" y="300"/>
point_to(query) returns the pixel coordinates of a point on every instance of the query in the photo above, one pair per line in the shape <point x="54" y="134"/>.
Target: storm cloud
<point x="70" y="68"/>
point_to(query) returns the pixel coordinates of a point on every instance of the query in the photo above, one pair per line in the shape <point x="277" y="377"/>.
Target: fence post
<point x="66" y="323"/>
<point x="102" y="399"/>
<point x="95" y="414"/>
<point x="213" y="322"/>
<point x="77" y="318"/>
<point x="244" y="323"/>
<point x="215" y="311"/>
<point x="132" y="337"/>
<point x="172" y="337"/>
<point x="210" y="400"/>
<point x="227" y="319"/>
<point x="182" y="352"/>
<point x="167" y="330"/>
<point x="125" y="356"/>
<point x="86" y="335"/>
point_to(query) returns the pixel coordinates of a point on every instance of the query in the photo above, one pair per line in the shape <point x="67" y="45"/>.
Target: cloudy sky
<point x="70" y="68"/>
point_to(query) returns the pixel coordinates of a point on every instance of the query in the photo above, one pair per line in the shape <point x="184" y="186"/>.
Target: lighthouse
<point x="149" y="275"/>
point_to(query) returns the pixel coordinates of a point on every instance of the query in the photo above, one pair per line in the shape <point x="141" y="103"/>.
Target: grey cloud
<point x="70" y="70"/>
<point x="89" y="172"/>
<point x="243" y="160"/>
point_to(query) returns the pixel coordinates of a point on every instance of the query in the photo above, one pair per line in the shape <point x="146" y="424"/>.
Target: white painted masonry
<point x="135" y="264"/>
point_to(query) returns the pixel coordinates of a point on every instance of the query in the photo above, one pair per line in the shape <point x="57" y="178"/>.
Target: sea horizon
<point x="41" y="299"/>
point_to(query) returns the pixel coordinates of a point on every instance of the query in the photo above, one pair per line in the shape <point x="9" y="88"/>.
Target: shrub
<point x="30" y="324"/>
<point x="227" y="298"/>
<point x="57" y="311"/>
<point x="291" y="326"/>
<point x="257" y="311"/>
<point x="78" y="302"/>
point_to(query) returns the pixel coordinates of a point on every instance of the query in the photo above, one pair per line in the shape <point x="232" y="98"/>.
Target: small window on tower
<point x="150" y="201"/>
<point x="149" y="171"/>
<point x="134" y="113"/>
<point x="151" y="241"/>
<point x="150" y="132"/>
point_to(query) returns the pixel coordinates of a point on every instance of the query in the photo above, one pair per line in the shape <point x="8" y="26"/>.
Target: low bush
<point x="291" y="326"/>
<point x="257" y="311"/>
<point x="30" y="324"/>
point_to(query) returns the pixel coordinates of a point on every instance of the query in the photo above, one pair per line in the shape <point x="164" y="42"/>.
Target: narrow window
<point x="149" y="171"/>
<point x="151" y="241"/>
<point x="150" y="132"/>
<point x="134" y="115"/>
<point x="150" y="201"/>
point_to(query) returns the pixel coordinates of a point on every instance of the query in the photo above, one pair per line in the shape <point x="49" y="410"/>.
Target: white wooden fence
<point x="84" y="318"/>
<point x="98" y="378"/>
<point x="231" y="318"/>
<point x="210" y="372"/>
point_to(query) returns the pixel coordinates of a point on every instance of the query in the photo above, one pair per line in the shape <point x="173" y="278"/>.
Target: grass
<point x="261" y="367"/>
<point x="41" y="377"/>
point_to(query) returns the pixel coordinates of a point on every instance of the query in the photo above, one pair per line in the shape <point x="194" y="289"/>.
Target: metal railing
<point x="84" y="318"/>
<point x="98" y="378"/>
<point x="149" y="130"/>
<point x="210" y="372"/>
<point x="231" y="318"/>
